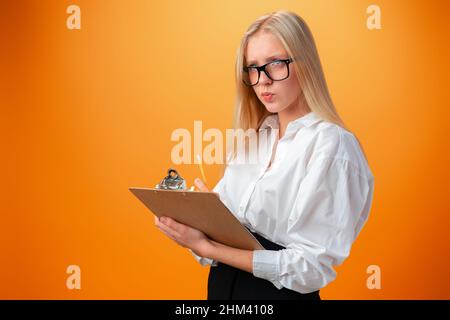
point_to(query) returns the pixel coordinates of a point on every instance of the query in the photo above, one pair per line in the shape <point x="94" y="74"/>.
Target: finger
<point x="172" y="237"/>
<point x="169" y="230"/>
<point x="158" y="222"/>
<point x="172" y="224"/>
<point x="167" y="233"/>
<point x="201" y="185"/>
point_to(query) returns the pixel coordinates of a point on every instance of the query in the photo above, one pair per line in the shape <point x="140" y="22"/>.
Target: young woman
<point x="309" y="195"/>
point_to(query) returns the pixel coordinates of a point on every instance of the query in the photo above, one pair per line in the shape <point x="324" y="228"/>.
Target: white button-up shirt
<point x="313" y="199"/>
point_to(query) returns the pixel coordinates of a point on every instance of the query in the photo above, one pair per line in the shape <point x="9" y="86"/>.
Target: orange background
<point x="88" y="113"/>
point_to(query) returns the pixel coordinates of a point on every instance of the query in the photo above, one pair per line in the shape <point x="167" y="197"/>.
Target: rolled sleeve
<point x="204" y="261"/>
<point x="266" y="266"/>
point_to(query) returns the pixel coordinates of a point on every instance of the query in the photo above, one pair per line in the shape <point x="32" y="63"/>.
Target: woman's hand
<point x="184" y="235"/>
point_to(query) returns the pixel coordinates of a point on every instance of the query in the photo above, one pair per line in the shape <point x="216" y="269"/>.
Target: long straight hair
<point x="298" y="41"/>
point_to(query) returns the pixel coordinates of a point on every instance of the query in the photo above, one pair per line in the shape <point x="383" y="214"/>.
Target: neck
<point x="298" y="109"/>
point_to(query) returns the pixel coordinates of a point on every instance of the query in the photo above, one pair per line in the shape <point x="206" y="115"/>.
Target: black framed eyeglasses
<point x="276" y="70"/>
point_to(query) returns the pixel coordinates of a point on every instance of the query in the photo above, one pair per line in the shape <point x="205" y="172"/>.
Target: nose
<point x="264" y="79"/>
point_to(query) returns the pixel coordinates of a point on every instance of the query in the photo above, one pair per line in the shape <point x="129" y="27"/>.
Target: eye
<point x="277" y="62"/>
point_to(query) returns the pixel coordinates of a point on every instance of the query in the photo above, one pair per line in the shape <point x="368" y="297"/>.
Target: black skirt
<point x="228" y="283"/>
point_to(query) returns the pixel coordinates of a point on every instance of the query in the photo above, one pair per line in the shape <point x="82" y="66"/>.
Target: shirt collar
<point x="271" y="121"/>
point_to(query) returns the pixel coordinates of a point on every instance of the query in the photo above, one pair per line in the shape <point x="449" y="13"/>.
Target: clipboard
<point x="203" y="211"/>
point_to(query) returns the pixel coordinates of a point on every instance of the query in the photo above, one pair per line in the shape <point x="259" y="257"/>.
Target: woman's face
<point x="264" y="47"/>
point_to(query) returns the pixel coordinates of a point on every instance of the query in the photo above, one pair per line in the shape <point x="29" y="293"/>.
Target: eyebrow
<point x="272" y="57"/>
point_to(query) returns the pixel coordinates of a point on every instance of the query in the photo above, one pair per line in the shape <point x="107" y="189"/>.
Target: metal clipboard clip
<point x="173" y="181"/>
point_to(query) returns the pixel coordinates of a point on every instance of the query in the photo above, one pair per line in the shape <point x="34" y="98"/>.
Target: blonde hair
<point x="298" y="41"/>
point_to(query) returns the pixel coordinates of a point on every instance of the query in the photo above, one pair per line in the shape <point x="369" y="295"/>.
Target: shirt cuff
<point x="204" y="261"/>
<point x="266" y="266"/>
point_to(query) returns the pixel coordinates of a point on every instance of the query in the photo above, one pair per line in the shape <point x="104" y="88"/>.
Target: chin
<point x="274" y="108"/>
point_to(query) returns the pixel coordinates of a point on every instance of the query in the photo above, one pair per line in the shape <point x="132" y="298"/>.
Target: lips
<point x="267" y="96"/>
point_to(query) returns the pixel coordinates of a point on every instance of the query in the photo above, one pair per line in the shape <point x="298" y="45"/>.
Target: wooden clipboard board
<point x="203" y="211"/>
